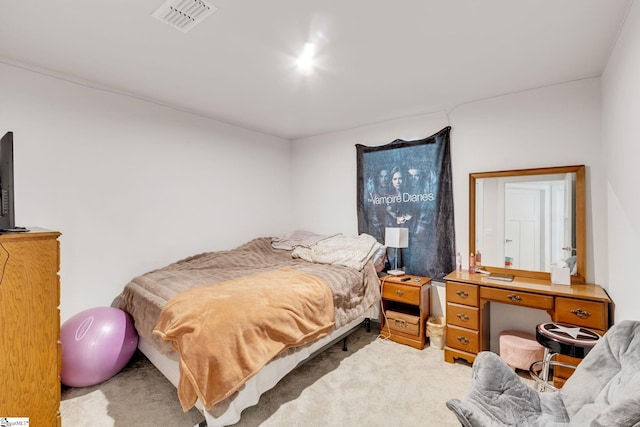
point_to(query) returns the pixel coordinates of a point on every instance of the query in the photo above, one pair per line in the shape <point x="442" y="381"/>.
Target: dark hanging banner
<point x="408" y="184"/>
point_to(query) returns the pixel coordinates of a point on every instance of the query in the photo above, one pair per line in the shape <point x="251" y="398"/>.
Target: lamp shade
<point x="395" y="237"/>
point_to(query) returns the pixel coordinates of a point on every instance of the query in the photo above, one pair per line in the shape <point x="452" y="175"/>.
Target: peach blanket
<point x="226" y="332"/>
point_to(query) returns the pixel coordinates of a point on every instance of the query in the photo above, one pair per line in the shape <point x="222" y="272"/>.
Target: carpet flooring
<point x="375" y="383"/>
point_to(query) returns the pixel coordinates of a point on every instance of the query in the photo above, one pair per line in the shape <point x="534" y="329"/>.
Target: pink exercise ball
<point x="96" y="344"/>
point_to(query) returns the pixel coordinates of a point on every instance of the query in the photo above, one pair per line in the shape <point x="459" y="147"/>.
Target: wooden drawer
<point x="462" y="293"/>
<point x="401" y="293"/>
<point x="403" y="322"/>
<point x="462" y="315"/>
<point x="524" y="299"/>
<point x="590" y="314"/>
<point x="462" y="339"/>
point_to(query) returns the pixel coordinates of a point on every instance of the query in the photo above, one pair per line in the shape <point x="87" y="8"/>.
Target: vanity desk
<point x="467" y="311"/>
<point x="525" y="223"/>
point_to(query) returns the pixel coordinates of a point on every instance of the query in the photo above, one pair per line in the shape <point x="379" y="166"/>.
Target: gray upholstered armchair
<point x="603" y="391"/>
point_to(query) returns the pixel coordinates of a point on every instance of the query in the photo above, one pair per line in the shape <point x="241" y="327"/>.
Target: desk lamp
<point x="397" y="238"/>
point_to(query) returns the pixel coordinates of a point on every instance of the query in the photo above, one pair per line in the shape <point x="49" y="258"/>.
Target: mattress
<point x="356" y="295"/>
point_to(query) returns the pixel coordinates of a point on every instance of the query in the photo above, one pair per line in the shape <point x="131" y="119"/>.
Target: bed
<point x="340" y="270"/>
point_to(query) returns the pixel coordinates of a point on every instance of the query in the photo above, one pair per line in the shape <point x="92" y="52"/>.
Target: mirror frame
<point x="580" y="215"/>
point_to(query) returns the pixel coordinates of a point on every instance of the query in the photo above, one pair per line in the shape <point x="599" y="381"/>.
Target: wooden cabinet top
<point x="33" y="232"/>
<point x="417" y="281"/>
<point x="583" y="290"/>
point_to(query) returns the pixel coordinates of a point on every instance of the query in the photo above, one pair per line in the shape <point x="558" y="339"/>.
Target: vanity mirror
<point x="525" y="221"/>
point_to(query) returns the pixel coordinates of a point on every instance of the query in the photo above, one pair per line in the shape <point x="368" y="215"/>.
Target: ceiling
<point x="376" y="60"/>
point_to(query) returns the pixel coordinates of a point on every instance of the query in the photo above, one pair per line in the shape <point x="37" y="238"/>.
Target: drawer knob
<point x="462" y="294"/>
<point x="581" y="313"/>
<point x="462" y="317"/>
<point x="514" y="297"/>
<point x="463" y="340"/>
<point x="399" y="292"/>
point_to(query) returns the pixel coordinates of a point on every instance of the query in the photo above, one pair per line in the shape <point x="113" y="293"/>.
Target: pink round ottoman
<point x="520" y="349"/>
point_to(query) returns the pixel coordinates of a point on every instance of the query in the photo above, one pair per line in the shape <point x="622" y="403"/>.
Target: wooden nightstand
<point x="406" y="304"/>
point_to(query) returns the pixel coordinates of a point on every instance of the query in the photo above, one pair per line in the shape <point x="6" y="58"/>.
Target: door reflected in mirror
<point x="526" y="223"/>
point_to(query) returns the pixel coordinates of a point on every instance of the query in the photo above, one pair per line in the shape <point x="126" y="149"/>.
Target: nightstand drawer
<point x="590" y="314"/>
<point x="462" y="315"/>
<point x="401" y="293"/>
<point x="462" y="339"/>
<point x="462" y="293"/>
<point x="403" y="322"/>
<point x="525" y="299"/>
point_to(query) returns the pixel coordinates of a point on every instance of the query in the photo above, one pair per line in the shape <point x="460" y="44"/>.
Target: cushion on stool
<point x="520" y="349"/>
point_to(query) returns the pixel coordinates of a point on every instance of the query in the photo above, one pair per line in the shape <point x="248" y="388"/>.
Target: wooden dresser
<point x="467" y="311"/>
<point x="30" y="327"/>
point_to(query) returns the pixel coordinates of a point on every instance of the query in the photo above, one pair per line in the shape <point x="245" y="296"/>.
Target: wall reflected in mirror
<point x="527" y="222"/>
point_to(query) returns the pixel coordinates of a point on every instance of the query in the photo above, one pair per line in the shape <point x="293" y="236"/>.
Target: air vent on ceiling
<point x="184" y="14"/>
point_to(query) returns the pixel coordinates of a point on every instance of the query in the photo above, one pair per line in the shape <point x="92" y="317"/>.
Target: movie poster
<point x="408" y="184"/>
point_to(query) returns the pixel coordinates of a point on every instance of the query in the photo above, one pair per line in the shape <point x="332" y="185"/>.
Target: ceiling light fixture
<point x="306" y="59"/>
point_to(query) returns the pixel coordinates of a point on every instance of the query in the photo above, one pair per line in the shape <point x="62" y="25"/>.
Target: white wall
<point x="553" y="126"/>
<point x="131" y="185"/>
<point x="324" y="170"/>
<point x="621" y="128"/>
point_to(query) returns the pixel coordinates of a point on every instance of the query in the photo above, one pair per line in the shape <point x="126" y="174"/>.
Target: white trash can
<point x="436" y="331"/>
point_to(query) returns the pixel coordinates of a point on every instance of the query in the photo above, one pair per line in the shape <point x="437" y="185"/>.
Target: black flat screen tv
<point x="7" y="216"/>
